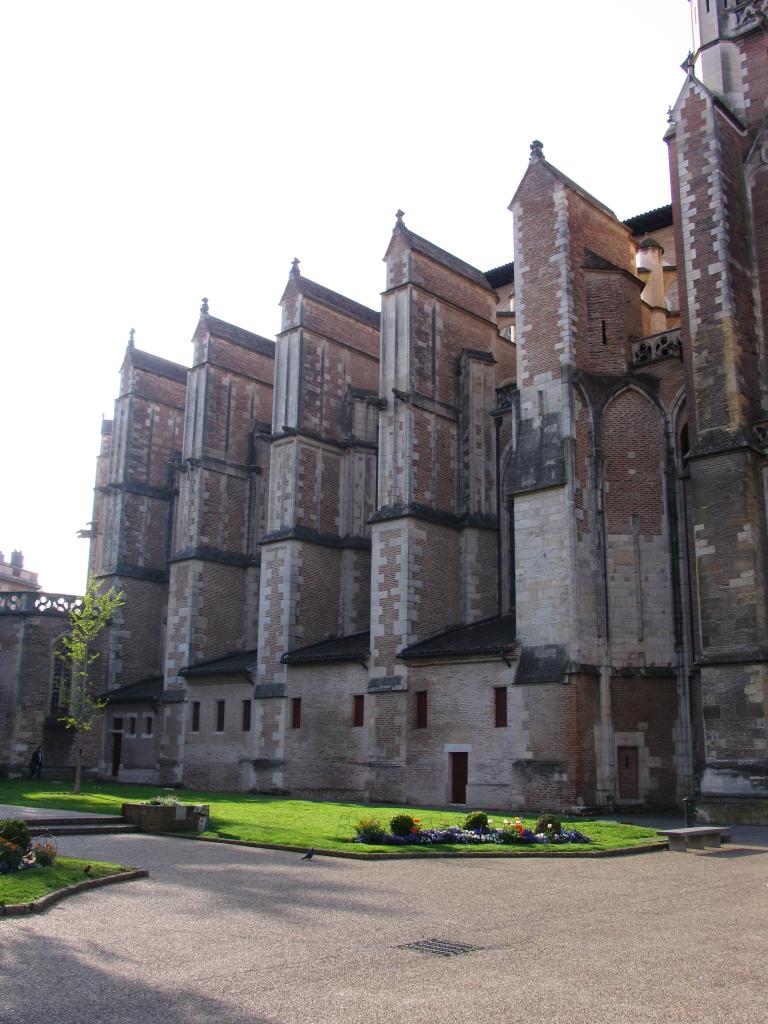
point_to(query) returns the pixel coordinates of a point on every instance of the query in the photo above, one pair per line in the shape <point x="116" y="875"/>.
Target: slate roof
<point x="156" y="364"/>
<point x="146" y="691"/>
<point x="593" y="261"/>
<point x="239" y="336"/>
<point x="337" y="301"/>
<point x="500" y="276"/>
<point x="491" y="636"/>
<point x="231" y="664"/>
<point x="354" y="647"/>
<point x="653" y="220"/>
<point x="434" y="252"/>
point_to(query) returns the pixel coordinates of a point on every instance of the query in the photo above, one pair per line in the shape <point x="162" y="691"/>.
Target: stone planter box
<point x="159" y="818"/>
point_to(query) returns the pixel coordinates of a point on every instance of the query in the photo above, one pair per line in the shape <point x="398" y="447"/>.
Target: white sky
<point x="161" y="150"/>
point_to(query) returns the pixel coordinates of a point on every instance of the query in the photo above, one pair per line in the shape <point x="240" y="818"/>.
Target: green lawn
<point x="299" y="823"/>
<point x="26" y="886"/>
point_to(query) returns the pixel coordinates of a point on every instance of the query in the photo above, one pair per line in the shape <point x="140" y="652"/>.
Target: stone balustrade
<point x="31" y="603"/>
<point x="666" y="345"/>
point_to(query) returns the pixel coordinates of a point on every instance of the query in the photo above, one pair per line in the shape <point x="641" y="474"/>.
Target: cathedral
<point x="501" y="542"/>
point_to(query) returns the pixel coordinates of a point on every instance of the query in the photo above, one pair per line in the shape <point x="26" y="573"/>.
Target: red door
<point x="459" y="775"/>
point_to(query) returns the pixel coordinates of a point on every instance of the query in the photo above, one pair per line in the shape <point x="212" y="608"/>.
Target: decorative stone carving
<point x="504" y="396"/>
<point x="38" y="604"/>
<point x="655" y="347"/>
<point x="760" y="434"/>
<point x="748" y="14"/>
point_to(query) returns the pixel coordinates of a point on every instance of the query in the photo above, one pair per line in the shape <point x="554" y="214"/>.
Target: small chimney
<point x="17" y="560"/>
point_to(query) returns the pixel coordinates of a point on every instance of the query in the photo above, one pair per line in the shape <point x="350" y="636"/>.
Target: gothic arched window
<point x="61" y="680"/>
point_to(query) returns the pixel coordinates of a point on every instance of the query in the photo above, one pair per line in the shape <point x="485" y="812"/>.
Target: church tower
<point x="719" y="166"/>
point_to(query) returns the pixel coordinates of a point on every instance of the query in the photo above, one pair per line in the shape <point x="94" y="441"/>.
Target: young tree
<point x="86" y="623"/>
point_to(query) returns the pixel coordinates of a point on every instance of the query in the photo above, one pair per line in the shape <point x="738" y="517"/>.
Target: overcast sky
<point x="158" y="151"/>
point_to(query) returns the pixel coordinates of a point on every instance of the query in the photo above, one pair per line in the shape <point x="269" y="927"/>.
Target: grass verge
<point x="28" y="886"/>
<point x="325" y="825"/>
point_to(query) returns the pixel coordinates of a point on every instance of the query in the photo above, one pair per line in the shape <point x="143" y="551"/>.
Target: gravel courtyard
<point x="228" y="934"/>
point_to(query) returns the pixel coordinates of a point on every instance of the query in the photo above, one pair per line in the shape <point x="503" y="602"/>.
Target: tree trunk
<point x="78" y="763"/>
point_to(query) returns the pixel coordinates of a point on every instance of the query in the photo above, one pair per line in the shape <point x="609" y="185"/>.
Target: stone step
<point x="81" y="819"/>
<point x="66" y="825"/>
<point x="59" y="829"/>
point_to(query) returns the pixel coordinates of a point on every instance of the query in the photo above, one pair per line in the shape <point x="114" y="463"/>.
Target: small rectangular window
<point x="195" y="716"/>
<point x="421" y="709"/>
<point x="117" y="724"/>
<point x="358" y="709"/>
<point x="246" y="716"/>
<point x="296" y="712"/>
<point x="500" y="706"/>
<point x="220" y="715"/>
<point x="148" y="725"/>
<point x="132" y="725"/>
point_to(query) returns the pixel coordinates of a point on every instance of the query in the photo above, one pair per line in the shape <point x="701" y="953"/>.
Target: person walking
<point x="36" y="764"/>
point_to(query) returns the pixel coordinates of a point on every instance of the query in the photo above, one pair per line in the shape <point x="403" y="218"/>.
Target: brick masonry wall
<point x="543" y="568"/>
<point x="26" y="666"/>
<point x="136" y="635"/>
<point x="637" y="552"/>
<point x="460" y="717"/>
<point x="644" y="713"/>
<point x="327" y="756"/>
<point x="556" y="768"/>
<point x="212" y="759"/>
<point x="543" y="315"/>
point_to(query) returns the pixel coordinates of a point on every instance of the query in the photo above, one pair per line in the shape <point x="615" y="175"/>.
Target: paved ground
<point x="229" y="934"/>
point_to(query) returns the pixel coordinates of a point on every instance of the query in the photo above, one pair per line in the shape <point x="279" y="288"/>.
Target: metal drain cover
<point x="439" y="947"/>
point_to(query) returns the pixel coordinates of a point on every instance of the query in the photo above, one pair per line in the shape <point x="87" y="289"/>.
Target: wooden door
<point x="117" y="750"/>
<point x="459" y="775"/>
<point x="628" y="775"/>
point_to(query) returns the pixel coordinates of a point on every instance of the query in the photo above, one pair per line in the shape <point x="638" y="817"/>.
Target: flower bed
<point x="478" y="829"/>
<point x="18" y="852"/>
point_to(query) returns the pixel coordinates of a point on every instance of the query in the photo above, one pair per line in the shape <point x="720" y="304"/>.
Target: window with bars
<point x="500" y="707"/>
<point x="421" y="709"/>
<point x="296" y="712"/>
<point x="358" y="709"/>
<point x="220" y="706"/>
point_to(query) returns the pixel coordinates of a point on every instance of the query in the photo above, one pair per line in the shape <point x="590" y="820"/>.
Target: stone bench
<point x="700" y="837"/>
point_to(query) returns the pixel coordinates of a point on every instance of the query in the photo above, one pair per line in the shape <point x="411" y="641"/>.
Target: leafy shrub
<point x="16" y="832"/>
<point x="164" y="801"/>
<point x="476" y="820"/>
<point x="11" y="856"/>
<point x="404" y="825"/>
<point x="370" y="830"/>
<point x="45" y="852"/>
<point x="548" y="825"/>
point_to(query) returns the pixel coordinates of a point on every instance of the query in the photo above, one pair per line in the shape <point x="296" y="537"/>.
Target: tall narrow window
<point x="148" y="725"/>
<point x="246" y="716"/>
<point x="61" y="680"/>
<point x="500" y="706"/>
<point x="421" y="709"/>
<point x="296" y="712"/>
<point x="195" y="716"/>
<point x="220" y="715"/>
<point x="358" y="709"/>
<point x="132" y="725"/>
